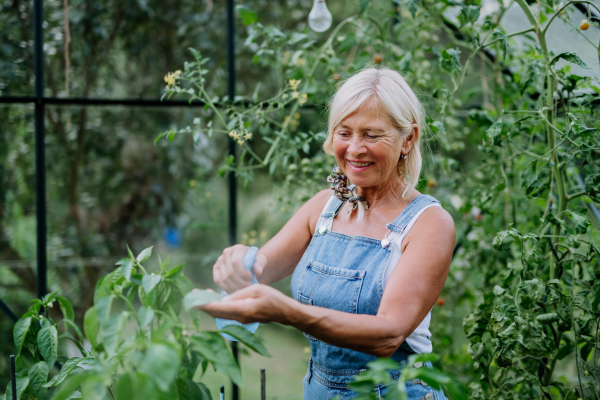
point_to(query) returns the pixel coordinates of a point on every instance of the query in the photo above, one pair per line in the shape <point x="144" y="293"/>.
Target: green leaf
<point x="38" y="374"/>
<point x="49" y="298"/>
<point x="103" y="308"/>
<point x="174" y="272"/>
<point x="66" y="369"/>
<point x="144" y="255"/>
<point x="438" y="127"/>
<point x="451" y="60"/>
<point x="145" y="315"/>
<point x="111" y="332"/>
<point x="570" y="57"/>
<point x="212" y="346"/>
<point x="161" y="363"/>
<point x="244" y="336"/>
<point x="503" y="40"/>
<point x="247" y="16"/>
<point x="20" y="332"/>
<point x="69" y="386"/>
<point x="22" y="383"/>
<point x="470" y="14"/>
<point x="190" y="390"/>
<point x="66" y="307"/>
<point x="127" y="268"/>
<point x="47" y="340"/>
<point x="199" y="298"/>
<point x="149" y="282"/>
<point x="90" y="326"/>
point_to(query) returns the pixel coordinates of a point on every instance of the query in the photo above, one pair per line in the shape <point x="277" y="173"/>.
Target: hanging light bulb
<point x="319" y="18"/>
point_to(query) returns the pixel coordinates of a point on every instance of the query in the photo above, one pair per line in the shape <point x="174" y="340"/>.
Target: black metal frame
<point x="40" y="162"/>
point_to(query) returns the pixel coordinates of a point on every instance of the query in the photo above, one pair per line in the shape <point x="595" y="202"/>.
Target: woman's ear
<point x="410" y="139"/>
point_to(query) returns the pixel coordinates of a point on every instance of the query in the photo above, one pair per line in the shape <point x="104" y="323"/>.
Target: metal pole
<point x="40" y="162"/>
<point x="263" y="385"/>
<point x="6" y="310"/>
<point x="231" y="176"/>
<point x="13" y="378"/>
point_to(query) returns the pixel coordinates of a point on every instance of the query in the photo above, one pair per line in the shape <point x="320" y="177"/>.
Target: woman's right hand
<point x="229" y="273"/>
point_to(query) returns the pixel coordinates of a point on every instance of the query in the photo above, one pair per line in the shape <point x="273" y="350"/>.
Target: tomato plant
<point x="141" y="340"/>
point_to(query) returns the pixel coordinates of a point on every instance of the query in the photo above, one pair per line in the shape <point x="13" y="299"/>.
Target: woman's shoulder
<point x="313" y="207"/>
<point x="433" y="223"/>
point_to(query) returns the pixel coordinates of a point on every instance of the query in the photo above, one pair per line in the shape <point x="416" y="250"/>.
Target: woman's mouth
<point x="360" y="165"/>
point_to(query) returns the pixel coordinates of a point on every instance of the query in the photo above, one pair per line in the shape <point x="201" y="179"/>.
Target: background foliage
<point x="514" y="156"/>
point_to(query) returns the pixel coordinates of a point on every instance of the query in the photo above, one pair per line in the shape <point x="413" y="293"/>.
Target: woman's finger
<point x="260" y="264"/>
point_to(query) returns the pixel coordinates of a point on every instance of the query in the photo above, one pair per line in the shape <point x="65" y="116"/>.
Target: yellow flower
<point x="248" y="136"/>
<point x="263" y="234"/>
<point x="295" y="95"/>
<point x="285" y="96"/>
<point x="170" y="79"/>
<point x="294" y="84"/>
<point x="297" y="115"/>
<point x="234" y="135"/>
<point x="240" y="142"/>
<point x="302" y="99"/>
<point x="177" y="74"/>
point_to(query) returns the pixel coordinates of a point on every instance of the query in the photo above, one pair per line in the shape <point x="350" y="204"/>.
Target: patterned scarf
<point x="339" y="185"/>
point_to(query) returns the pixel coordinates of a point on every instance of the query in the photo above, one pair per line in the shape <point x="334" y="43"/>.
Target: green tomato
<point x="305" y="162"/>
<point x="293" y="168"/>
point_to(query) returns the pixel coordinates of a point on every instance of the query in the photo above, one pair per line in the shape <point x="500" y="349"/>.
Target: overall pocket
<point x="330" y="287"/>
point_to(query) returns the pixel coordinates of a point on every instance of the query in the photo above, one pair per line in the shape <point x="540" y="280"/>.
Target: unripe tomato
<point x="441" y="301"/>
<point x="305" y="162"/>
<point x="335" y="77"/>
<point x="478" y="217"/>
<point x="585" y="25"/>
<point x="378" y="58"/>
<point x="293" y="168"/>
<point x="306" y="170"/>
<point x="431" y="182"/>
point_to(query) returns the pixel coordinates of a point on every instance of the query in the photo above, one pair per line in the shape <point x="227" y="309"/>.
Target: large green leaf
<point x="47" y="340"/>
<point x="212" y="346"/>
<point x="66" y="307"/>
<point x="198" y="298"/>
<point x="149" y="282"/>
<point x="22" y="383"/>
<point x="20" y="332"/>
<point x="161" y="363"/>
<point x="145" y="315"/>
<point x="103" y="308"/>
<point x="38" y="374"/>
<point x="190" y="390"/>
<point x="570" y="57"/>
<point x="144" y="255"/>
<point x="69" y="386"/>
<point x="66" y="369"/>
<point x="111" y="332"/>
<point x="244" y="336"/>
<point x="90" y="326"/>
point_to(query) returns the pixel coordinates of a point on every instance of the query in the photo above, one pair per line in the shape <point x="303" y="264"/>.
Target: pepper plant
<point x="141" y="340"/>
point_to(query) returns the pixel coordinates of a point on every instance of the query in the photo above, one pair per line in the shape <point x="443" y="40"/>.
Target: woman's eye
<point x="343" y="134"/>
<point x="371" y="136"/>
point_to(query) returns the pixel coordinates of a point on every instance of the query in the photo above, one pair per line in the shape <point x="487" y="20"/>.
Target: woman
<point x="363" y="282"/>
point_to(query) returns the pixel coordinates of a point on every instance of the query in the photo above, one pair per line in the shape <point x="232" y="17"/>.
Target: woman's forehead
<point x="371" y="113"/>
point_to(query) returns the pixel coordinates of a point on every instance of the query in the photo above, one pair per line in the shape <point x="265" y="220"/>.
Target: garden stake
<point x="263" y="391"/>
<point x="13" y="378"/>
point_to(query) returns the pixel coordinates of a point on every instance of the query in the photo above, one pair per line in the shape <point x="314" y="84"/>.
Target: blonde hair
<point x="397" y="98"/>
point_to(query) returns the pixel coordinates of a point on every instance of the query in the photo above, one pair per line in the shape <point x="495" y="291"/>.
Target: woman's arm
<point x="410" y="293"/>
<point x="278" y="257"/>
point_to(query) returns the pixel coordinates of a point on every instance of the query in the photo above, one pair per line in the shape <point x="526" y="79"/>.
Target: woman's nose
<point x="356" y="146"/>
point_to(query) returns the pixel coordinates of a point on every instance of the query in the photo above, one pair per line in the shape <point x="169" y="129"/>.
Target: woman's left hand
<point x="255" y="303"/>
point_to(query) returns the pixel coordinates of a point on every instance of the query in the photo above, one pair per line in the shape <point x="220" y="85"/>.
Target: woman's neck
<point x="384" y="195"/>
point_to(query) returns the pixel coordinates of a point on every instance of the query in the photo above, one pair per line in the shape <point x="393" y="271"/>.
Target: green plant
<point x="141" y="340"/>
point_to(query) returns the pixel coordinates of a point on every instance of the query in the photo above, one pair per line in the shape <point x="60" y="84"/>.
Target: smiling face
<point x="367" y="146"/>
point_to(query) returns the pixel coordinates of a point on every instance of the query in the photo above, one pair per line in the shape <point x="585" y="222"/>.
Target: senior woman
<point x="369" y="260"/>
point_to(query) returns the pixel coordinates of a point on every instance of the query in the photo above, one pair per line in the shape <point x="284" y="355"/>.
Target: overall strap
<point x="417" y="204"/>
<point x="332" y="208"/>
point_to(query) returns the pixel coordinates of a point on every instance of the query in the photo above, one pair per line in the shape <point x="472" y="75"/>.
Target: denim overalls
<point x="346" y="273"/>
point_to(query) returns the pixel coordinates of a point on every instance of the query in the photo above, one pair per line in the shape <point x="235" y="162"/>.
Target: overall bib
<point x="348" y="273"/>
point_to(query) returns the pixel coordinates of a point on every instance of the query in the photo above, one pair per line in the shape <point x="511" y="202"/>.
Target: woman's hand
<point x="229" y="273"/>
<point x="257" y="303"/>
